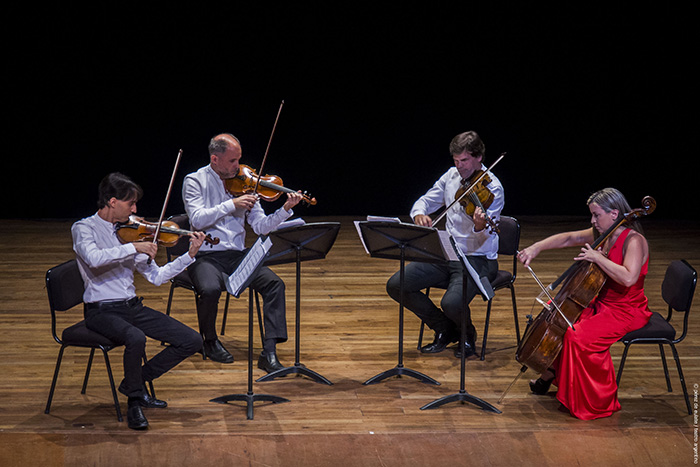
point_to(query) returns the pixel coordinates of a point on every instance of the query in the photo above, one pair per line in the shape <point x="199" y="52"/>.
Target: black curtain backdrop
<point x="578" y="98"/>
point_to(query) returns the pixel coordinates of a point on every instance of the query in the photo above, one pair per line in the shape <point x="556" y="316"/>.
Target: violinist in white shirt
<point x="112" y="307"/>
<point x="478" y="243"/>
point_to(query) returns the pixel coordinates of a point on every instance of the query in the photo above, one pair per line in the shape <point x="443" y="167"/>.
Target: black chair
<point x="508" y="243"/>
<point x="677" y="290"/>
<point x="65" y="288"/>
<point x="183" y="279"/>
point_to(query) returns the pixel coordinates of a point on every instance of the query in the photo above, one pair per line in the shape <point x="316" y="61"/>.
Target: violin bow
<point x="468" y="190"/>
<point x="165" y="204"/>
<point x="257" y="183"/>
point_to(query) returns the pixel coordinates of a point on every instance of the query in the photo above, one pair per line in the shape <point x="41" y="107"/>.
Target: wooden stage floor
<point x="349" y="333"/>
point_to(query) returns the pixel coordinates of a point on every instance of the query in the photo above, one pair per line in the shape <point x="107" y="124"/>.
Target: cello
<point x="581" y="283"/>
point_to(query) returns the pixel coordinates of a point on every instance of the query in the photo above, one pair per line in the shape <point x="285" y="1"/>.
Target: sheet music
<point x="291" y="223"/>
<point x="241" y="276"/>
<point x="481" y="282"/>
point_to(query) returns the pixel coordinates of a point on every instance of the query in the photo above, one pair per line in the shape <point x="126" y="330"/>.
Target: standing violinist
<point x="476" y="240"/>
<point x="212" y="208"/>
<point x="111" y="305"/>
<point x="584" y="371"/>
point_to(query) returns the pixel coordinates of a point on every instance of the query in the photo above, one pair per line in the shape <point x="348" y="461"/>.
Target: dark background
<point x="579" y="99"/>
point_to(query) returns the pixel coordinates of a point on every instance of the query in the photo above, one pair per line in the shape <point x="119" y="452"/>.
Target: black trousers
<point x="449" y="276"/>
<point x="209" y="274"/>
<point x="129" y="325"/>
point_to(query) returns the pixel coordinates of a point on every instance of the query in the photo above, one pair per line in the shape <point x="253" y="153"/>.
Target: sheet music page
<point x="447" y="248"/>
<point x="240" y="277"/>
<point x="291" y="223"/>
<point x="481" y="282"/>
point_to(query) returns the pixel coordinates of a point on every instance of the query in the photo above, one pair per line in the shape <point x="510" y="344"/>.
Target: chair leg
<point x="87" y="371"/>
<point x="663" y="361"/>
<point x="170" y="299"/>
<point x="486" y="329"/>
<point x="223" y="320"/>
<point x="55" y="378"/>
<point x="260" y="318"/>
<point x="111" y="384"/>
<point x="420" y="334"/>
<point x="680" y="375"/>
<point x="515" y="315"/>
<point x="622" y="365"/>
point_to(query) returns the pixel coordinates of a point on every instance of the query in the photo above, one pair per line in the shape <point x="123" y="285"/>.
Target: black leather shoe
<point x="215" y="351"/>
<point x="541" y="386"/>
<point x="441" y="341"/>
<point x="269" y="362"/>
<point x="147" y="401"/>
<point x="469" y="346"/>
<point x="134" y="415"/>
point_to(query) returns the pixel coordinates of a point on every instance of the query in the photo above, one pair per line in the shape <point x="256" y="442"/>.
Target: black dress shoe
<point x="146" y="400"/>
<point x="135" y="417"/>
<point x="441" y="341"/>
<point x="541" y="386"/>
<point x="469" y="346"/>
<point x="268" y="362"/>
<point x="215" y="351"/>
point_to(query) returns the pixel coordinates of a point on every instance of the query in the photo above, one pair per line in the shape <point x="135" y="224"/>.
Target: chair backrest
<point x="183" y="244"/>
<point x="678" y="289"/>
<point x="508" y="236"/>
<point x="65" y="288"/>
<point x="64" y="285"/>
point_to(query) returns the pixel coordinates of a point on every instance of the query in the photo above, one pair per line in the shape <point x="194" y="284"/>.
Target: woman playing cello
<point x="584" y="371"/>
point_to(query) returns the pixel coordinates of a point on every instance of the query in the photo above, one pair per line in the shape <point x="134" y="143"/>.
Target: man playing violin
<point x="111" y="305"/>
<point x="212" y="208"/>
<point x="479" y="244"/>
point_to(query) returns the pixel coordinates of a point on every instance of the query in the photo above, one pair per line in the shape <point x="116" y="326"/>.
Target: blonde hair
<point x="612" y="198"/>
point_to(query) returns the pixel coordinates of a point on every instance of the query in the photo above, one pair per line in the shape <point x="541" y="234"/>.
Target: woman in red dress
<point x="584" y="371"/>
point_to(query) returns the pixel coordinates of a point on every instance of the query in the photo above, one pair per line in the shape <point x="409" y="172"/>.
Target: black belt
<point x="113" y="304"/>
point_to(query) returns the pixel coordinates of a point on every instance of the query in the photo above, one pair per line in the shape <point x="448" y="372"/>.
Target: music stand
<point x="296" y="244"/>
<point x="250" y="397"/>
<point x="405" y="242"/>
<point x="462" y="395"/>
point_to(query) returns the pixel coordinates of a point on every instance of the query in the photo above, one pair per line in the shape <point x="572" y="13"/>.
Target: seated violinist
<point x="478" y="243"/>
<point x="111" y="305"/>
<point x="211" y="207"/>
<point x="584" y="371"/>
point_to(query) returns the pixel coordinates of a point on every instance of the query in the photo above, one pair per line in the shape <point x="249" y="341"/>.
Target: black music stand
<point x="296" y="244"/>
<point x="405" y="242"/>
<point x="250" y="397"/>
<point x="462" y="395"/>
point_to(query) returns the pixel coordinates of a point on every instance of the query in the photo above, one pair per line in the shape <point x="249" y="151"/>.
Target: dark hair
<point x="119" y="186"/>
<point x="468" y="141"/>
<point x="219" y="145"/>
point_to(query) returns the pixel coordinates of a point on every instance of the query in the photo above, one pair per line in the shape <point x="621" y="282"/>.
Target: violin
<point x="139" y="230"/>
<point x="269" y="187"/>
<point x="477" y="195"/>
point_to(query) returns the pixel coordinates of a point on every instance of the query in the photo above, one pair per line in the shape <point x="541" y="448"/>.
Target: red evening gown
<point x="585" y="373"/>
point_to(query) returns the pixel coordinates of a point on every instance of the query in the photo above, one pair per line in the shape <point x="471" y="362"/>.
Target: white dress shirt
<point x="107" y="265"/>
<point x="458" y="224"/>
<point x="210" y="209"/>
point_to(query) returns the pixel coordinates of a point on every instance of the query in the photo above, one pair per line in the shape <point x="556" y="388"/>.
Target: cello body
<point x="543" y="338"/>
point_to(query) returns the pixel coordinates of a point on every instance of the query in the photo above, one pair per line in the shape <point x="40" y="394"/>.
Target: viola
<point x="477" y="195"/>
<point x="268" y="187"/>
<point x="139" y="230"/>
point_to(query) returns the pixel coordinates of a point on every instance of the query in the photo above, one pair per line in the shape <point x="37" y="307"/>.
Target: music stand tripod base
<point x="295" y="369"/>
<point x="249" y="399"/>
<point x="400" y="371"/>
<point x="461" y="396"/>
